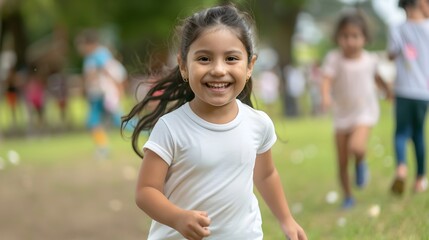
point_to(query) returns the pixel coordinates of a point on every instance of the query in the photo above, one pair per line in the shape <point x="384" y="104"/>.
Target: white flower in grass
<point x="115" y="205"/>
<point x="374" y="211"/>
<point x="129" y="173"/>
<point x="297" y="208"/>
<point x="13" y="157"/>
<point x="297" y="156"/>
<point x="331" y="197"/>
<point x="341" y="222"/>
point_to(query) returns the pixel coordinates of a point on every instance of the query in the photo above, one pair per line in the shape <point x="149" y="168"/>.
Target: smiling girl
<point x="208" y="147"/>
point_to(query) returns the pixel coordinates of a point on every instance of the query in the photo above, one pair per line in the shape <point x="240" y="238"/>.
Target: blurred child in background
<point x="349" y="87"/>
<point x="314" y="82"/>
<point x="103" y="90"/>
<point x="409" y="46"/>
<point x="35" y="95"/>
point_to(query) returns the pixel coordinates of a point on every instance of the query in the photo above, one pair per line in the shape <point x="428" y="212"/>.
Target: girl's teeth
<point x="217" y="85"/>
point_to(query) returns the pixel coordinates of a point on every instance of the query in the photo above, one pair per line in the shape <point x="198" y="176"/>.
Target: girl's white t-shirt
<point x="211" y="169"/>
<point x="354" y="92"/>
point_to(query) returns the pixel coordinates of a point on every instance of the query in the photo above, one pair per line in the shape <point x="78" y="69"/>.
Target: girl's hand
<point x="293" y="231"/>
<point x="193" y="225"/>
<point x="390" y="96"/>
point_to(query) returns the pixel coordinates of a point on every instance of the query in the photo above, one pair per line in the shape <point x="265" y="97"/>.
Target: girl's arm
<point x="150" y="198"/>
<point x="268" y="183"/>
<point x="384" y="87"/>
<point x="326" y="92"/>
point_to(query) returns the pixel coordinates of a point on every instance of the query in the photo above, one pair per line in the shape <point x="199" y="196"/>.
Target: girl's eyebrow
<point x="204" y="51"/>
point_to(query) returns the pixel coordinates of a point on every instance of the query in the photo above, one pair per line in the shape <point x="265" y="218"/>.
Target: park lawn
<point x="307" y="165"/>
<point x="59" y="190"/>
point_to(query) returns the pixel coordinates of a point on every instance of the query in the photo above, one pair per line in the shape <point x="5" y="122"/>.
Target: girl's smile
<point x="218" y="87"/>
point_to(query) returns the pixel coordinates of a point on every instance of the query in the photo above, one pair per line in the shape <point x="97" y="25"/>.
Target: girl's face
<point x="351" y="40"/>
<point x="84" y="48"/>
<point x="217" y="68"/>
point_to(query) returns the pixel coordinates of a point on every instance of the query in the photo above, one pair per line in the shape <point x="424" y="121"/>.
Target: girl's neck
<point x="354" y="55"/>
<point x="213" y="114"/>
<point x="414" y="14"/>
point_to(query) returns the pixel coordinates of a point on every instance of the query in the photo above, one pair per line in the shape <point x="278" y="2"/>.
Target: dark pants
<point x="410" y="118"/>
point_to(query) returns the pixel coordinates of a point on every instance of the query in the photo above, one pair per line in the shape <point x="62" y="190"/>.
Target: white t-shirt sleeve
<point x="375" y="61"/>
<point x="161" y="142"/>
<point x="330" y="64"/>
<point x="270" y="135"/>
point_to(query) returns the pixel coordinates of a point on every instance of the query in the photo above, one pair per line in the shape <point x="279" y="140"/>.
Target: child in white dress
<point x="348" y="87"/>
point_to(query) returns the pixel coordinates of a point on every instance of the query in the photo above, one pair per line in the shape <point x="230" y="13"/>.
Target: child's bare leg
<point x="359" y="141"/>
<point x="341" y="141"/>
<point x="358" y="146"/>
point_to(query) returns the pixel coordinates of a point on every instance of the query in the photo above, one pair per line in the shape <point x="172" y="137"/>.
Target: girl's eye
<point x="203" y="59"/>
<point x="231" y="58"/>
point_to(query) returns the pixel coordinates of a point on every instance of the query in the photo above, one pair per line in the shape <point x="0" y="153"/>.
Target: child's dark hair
<point x="407" y="3"/>
<point x="175" y="91"/>
<point x="355" y="17"/>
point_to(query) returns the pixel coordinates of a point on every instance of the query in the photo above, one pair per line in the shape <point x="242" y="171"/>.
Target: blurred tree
<point x="144" y="28"/>
<point x="276" y="20"/>
<point x="141" y="26"/>
<point x="12" y="26"/>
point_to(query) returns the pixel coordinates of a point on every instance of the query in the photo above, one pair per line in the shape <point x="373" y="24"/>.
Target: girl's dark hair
<point x="176" y="92"/>
<point x="355" y="17"/>
<point x="407" y="3"/>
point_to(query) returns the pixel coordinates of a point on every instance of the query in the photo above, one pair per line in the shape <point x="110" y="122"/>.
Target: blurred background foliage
<point x="142" y="30"/>
<point x="297" y="33"/>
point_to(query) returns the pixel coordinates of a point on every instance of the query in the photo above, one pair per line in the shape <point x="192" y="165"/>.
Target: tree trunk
<point x="277" y="21"/>
<point x="13" y="23"/>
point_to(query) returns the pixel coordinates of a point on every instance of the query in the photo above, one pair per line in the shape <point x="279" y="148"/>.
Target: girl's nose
<point x="218" y="68"/>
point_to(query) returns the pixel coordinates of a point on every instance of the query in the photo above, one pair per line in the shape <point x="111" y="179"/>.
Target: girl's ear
<point x="251" y="65"/>
<point x="182" y="67"/>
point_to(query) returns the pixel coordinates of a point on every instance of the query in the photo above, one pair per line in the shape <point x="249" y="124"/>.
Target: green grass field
<point x="59" y="190"/>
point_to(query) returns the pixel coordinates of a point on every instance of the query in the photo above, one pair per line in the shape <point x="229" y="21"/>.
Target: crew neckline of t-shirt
<point x="354" y="60"/>
<point x="213" y="126"/>
<point x="417" y="23"/>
